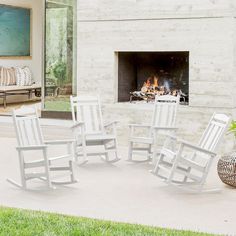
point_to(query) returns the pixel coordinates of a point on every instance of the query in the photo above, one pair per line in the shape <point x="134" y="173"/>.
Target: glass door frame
<point x="58" y="114"/>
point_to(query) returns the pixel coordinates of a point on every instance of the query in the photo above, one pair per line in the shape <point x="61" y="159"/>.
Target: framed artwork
<point x="15" y="33"/>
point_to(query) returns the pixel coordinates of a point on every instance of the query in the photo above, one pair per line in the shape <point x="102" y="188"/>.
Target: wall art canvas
<point x="15" y="31"/>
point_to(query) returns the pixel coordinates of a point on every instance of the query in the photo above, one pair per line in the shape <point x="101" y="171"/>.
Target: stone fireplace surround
<point x="169" y="69"/>
<point x="207" y="31"/>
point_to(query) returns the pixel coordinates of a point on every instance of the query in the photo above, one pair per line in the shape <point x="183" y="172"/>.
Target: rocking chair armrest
<point x="140" y="126"/>
<point x="60" y="142"/>
<point x="78" y="124"/>
<point x="190" y="145"/>
<point x="165" y="128"/>
<point x="203" y="150"/>
<point x="31" y="148"/>
<point x="110" y="123"/>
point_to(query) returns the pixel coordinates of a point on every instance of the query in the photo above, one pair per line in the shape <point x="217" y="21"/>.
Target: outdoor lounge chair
<point x="163" y="121"/>
<point x="90" y="131"/>
<point x="188" y="166"/>
<point x="30" y="140"/>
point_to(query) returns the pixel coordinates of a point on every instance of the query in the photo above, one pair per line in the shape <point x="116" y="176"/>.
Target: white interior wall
<point x="36" y="63"/>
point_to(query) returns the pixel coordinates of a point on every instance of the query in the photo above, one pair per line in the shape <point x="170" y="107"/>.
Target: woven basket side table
<point x="227" y="169"/>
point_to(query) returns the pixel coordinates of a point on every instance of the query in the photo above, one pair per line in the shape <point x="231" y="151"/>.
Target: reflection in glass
<point x="60" y="54"/>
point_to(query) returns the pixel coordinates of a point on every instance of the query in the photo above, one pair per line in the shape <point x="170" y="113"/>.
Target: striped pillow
<point x="7" y="76"/>
<point x="23" y="76"/>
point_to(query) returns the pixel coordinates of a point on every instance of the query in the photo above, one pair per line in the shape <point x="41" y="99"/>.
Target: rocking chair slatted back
<point x="28" y="131"/>
<point x="214" y="132"/>
<point x="87" y="109"/>
<point x="165" y="111"/>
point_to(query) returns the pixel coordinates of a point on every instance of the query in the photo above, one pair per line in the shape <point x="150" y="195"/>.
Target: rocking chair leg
<point x="81" y="163"/>
<point x="71" y="151"/>
<point x="149" y="152"/>
<point x="22" y="170"/>
<point x="130" y="151"/>
<point x="185" y="177"/>
<point x="172" y="173"/>
<point x="84" y="153"/>
<point x="47" y="169"/>
<point x="194" y="188"/>
<point x="116" y="151"/>
<point x="15" y="184"/>
<point x="84" y="157"/>
<point x="156" y="169"/>
<point x="72" y="177"/>
<point x="106" y="154"/>
<point x="154" y="156"/>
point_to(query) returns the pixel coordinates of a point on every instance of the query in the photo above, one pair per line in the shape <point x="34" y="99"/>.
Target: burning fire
<point x="151" y="85"/>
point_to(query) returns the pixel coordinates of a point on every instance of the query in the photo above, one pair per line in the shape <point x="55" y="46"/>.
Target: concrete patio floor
<point x="124" y="192"/>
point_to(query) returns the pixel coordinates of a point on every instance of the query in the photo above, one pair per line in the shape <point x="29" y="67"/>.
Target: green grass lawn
<point x="23" y="222"/>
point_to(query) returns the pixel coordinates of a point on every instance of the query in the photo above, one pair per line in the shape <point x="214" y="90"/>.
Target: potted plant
<point x="232" y="128"/>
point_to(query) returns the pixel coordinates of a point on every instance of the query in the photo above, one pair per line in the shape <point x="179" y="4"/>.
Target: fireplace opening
<point x="142" y="75"/>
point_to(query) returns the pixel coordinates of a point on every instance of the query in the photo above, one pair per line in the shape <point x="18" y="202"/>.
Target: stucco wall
<point x="205" y="28"/>
<point x="152" y="9"/>
<point x="208" y="40"/>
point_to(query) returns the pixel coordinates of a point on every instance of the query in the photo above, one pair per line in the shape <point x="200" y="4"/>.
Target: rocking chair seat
<point x="144" y="140"/>
<point x="100" y="137"/>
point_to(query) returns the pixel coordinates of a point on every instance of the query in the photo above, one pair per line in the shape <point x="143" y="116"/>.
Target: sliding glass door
<point x="60" y="54"/>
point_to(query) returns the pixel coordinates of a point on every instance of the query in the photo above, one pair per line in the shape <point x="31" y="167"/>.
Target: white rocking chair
<point x="30" y="139"/>
<point x="89" y="130"/>
<point x="189" y="165"/>
<point x="163" y="122"/>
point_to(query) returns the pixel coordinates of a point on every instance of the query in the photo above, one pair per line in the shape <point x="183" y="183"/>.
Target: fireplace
<point x="142" y="75"/>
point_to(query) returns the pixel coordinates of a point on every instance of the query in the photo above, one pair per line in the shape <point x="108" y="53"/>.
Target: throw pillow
<point x="23" y="76"/>
<point x="7" y="76"/>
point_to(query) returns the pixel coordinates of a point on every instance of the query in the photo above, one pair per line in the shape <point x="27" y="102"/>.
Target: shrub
<point x="60" y="71"/>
